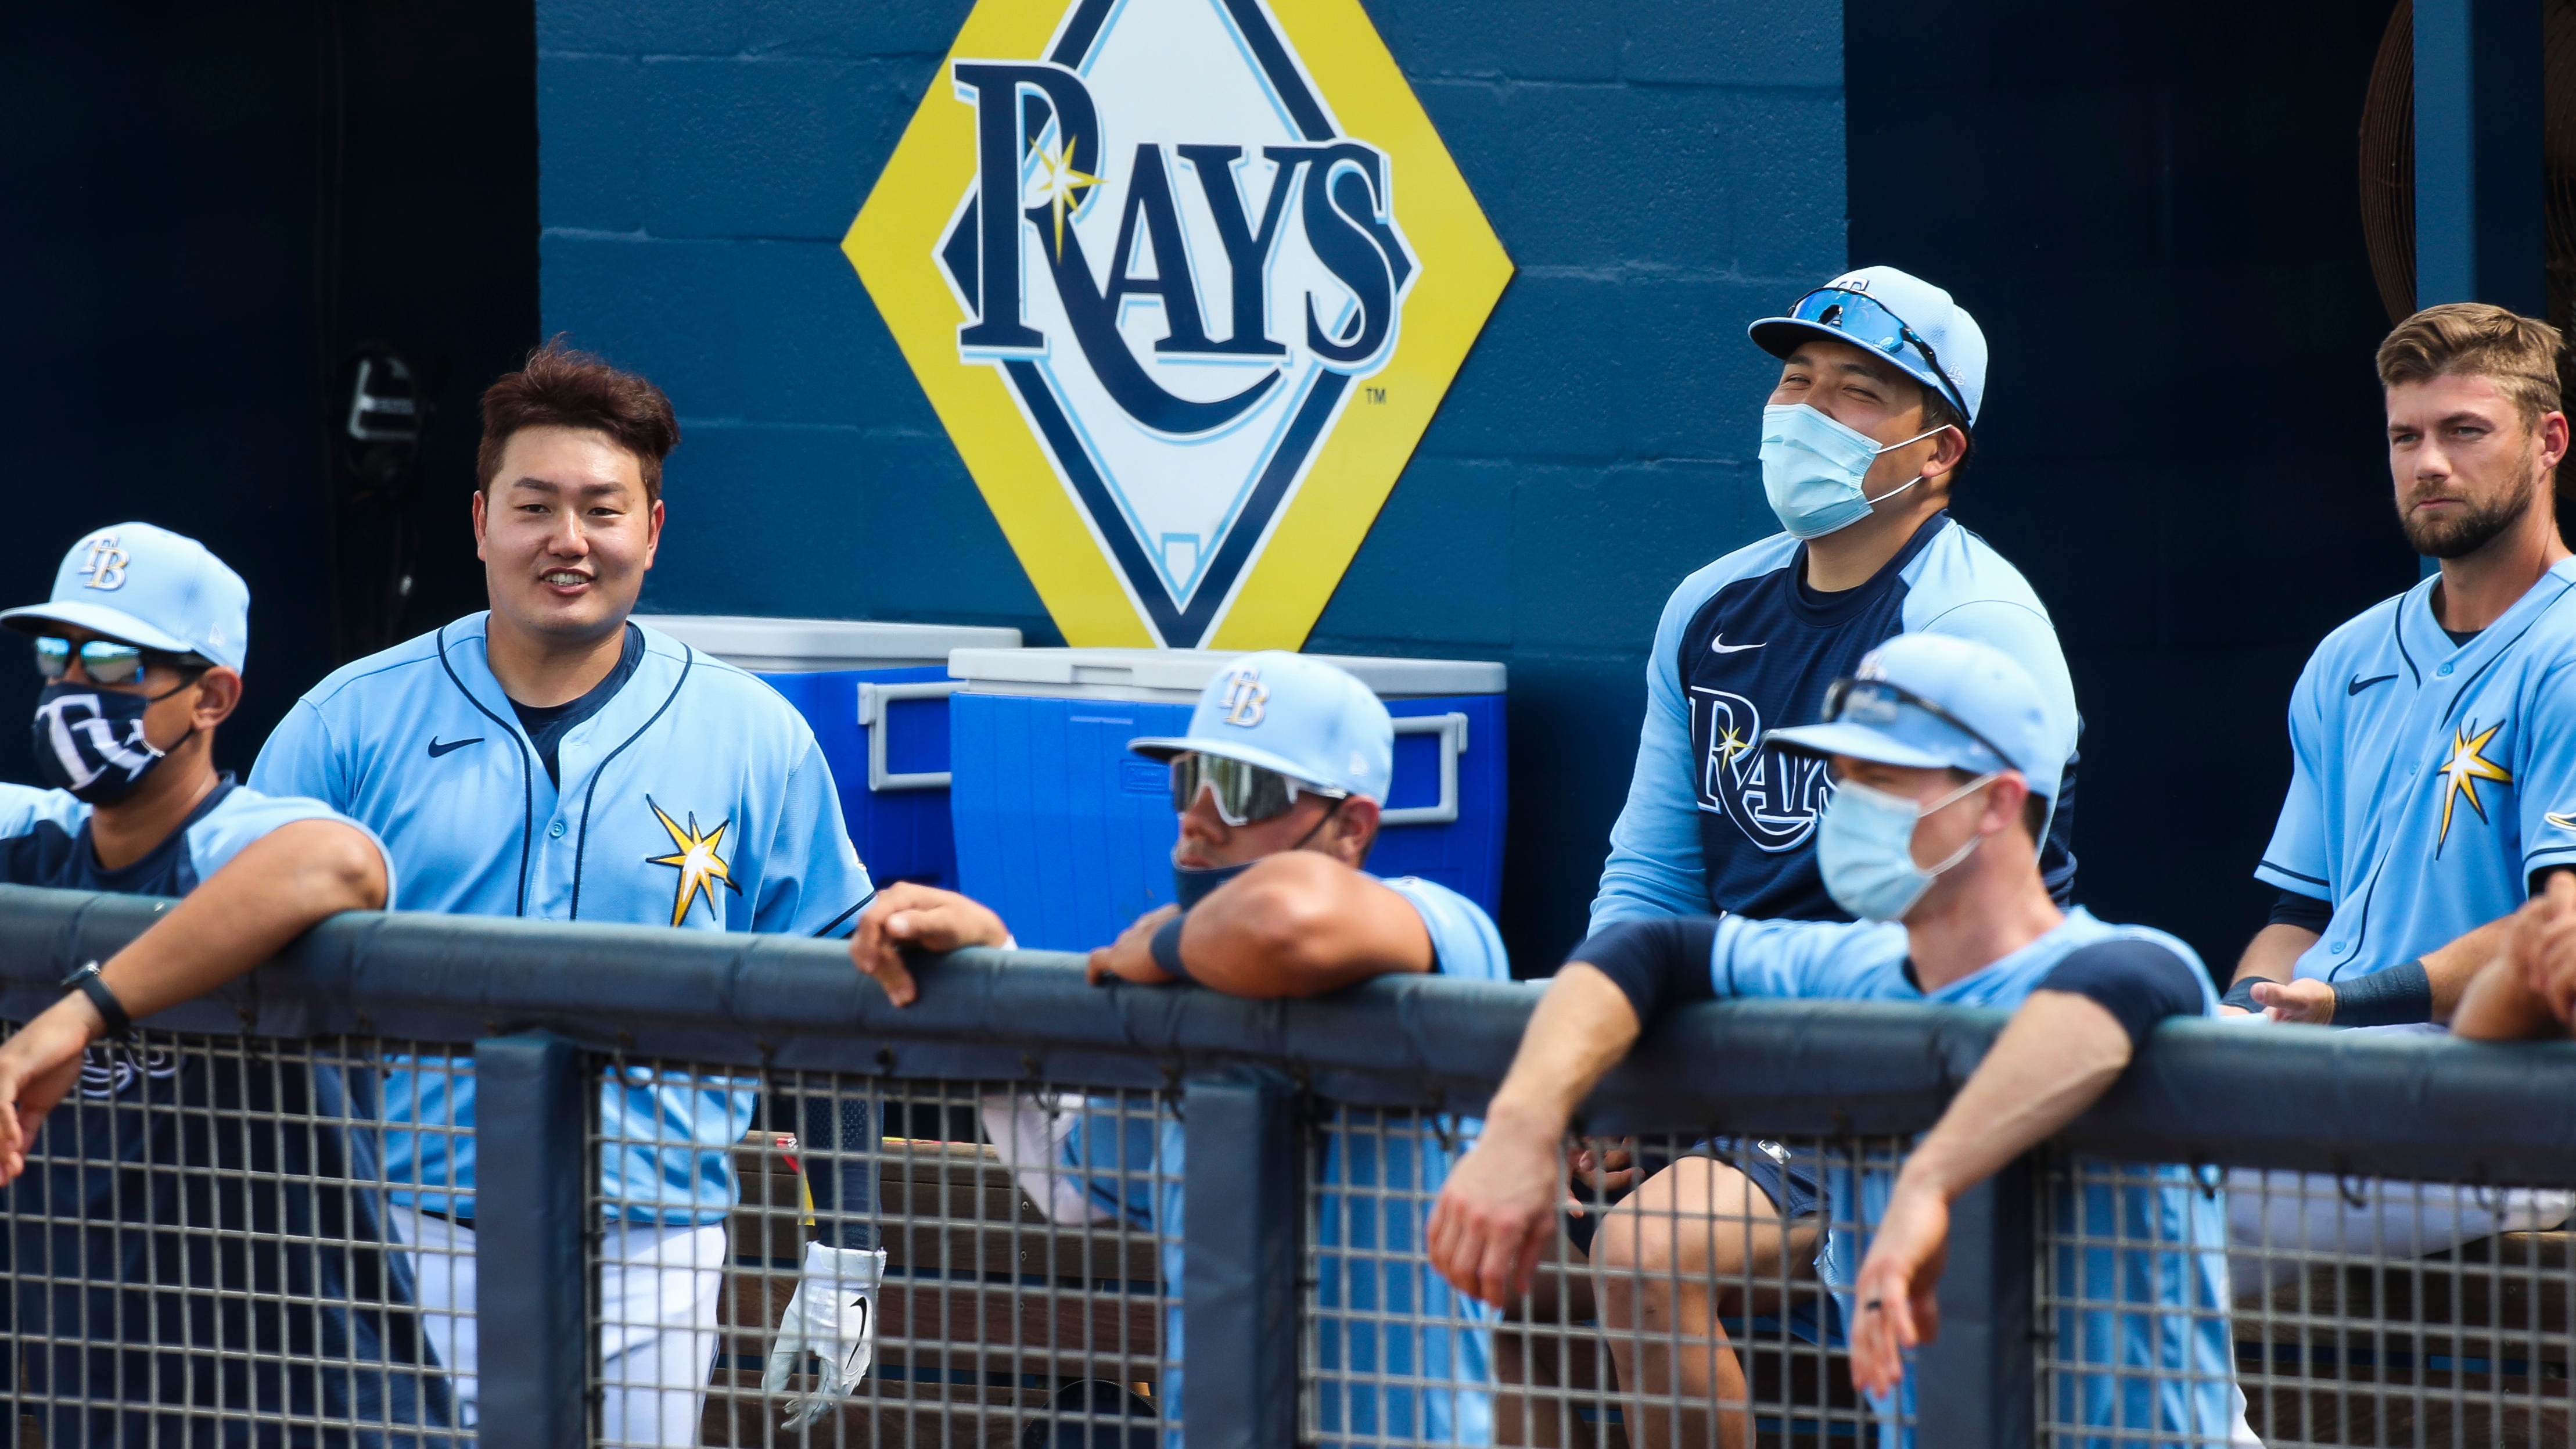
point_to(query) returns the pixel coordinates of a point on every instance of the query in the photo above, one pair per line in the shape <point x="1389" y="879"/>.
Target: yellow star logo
<point x="1731" y="744"/>
<point x="2460" y="774"/>
<point x="1058" y="181"/>
<point x="701" y="869"/>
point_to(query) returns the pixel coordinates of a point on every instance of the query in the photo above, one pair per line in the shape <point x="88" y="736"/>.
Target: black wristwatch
<point x="88" y="982"/>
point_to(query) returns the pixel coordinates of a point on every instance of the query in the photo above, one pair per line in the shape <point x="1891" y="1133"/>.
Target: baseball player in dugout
<point x="1944" y="750"/>
<point x="552" y="759"/>
<point x="1276" y="788"/>
<point x="2433" y="737"/>
<point x="1865" y="435"/>
<point x="141" y="649"/>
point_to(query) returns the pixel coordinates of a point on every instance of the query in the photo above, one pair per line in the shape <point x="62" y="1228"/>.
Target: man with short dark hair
<point x="554" y="760"/>
<point x="102" y="1141"/>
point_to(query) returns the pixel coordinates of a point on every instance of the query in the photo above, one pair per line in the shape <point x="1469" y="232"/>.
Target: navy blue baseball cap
<point x="146" y="586"/>
<point x="1936" y="701"/>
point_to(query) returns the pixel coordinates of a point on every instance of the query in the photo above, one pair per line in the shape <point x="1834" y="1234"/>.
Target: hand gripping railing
<point x="533" y="995"/>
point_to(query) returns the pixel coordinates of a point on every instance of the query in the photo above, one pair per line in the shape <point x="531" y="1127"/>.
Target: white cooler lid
<point x="804" y="646"/>
<point x="1177" y="675"/>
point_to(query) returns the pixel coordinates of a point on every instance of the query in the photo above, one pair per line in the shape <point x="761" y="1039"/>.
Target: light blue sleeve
<point x="246" y="815"/>
<point x="1462" y="935"/>
<point x="23" y="806"/>
<point x="2544" y="777"/>
<point x="2298" y="858"/>
<point x="811" y="882"/>
<point x="299" y="758"/>
<point x="1845" y="960"/>
<point x="1655" y="867"/>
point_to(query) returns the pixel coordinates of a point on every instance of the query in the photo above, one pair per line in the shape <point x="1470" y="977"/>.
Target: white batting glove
<point x="833" y="1317"/>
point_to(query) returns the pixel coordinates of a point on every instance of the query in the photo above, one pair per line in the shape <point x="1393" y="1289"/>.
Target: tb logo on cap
<point x="106" y="565"/>
<point x="1245" y="695"/>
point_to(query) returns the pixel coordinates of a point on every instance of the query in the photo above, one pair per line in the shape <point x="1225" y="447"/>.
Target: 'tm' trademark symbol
<point x="1377" y="394"/>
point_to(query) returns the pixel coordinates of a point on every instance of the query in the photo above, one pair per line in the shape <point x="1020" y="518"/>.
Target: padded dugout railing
<point x="2460" y="1341"/>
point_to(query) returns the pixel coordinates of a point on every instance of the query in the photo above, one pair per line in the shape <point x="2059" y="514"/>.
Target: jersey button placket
<point x="555" y="831"/>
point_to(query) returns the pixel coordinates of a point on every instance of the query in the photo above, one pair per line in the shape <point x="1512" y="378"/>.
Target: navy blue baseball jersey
<point x="2430" y="779"/>
<point x="1719" y="819"/>
<point x="133" y="1327"/>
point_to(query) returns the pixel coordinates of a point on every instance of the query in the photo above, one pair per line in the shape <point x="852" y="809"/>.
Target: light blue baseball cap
<point x="1901" y="317"/>
<point x="138" y="584"/>
<point x="1299" y="716"/>
<point x="1930" y="701"/>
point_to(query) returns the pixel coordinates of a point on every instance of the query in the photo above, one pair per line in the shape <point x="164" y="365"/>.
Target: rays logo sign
<point x="1185" y="280"/>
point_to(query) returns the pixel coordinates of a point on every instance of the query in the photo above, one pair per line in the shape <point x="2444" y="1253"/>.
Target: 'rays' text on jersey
<point x="1774" y="798"/>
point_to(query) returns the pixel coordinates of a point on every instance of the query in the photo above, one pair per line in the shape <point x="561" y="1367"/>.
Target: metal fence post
<point x="1976" y="1383"/>
<point x="532" y="1284"/>
<point x="1239" y="1282"/>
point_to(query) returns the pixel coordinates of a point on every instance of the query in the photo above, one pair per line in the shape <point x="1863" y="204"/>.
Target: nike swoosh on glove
<point x="833" y="1317"/>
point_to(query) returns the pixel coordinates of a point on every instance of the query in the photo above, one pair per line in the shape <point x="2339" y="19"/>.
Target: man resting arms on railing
<point x="1937" y="746"/>
<point x="141" y="649"/>
<point x="2528" y="992"/>
<point x="1278" y="787"/>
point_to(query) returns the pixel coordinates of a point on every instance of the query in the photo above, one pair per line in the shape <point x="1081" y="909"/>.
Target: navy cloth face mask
<point x="1192" y="884"/>
<point x="90" y="742"/>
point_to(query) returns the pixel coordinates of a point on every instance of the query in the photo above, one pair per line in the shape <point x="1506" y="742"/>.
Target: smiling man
<point x="552" y="759"/>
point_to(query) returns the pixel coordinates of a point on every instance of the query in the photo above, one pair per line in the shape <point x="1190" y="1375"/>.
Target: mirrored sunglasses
<point x="1860" y="317"/>
<point x="1244" y="793"/>
<point x="103" y="660"/>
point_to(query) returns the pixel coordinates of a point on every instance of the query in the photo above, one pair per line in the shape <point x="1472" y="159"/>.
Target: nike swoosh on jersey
<point x="2359" y="684"/>
<point x="2563" y="822"/>
<point x="436" y="749"/>
<point x="1718" y="645"/>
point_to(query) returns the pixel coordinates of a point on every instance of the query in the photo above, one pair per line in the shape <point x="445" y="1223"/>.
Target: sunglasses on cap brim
<point x="1244" y="793"/>
<point x="105" y="661"/>
<point x="1876" y="702"/>
<point x="1858" y="316"/>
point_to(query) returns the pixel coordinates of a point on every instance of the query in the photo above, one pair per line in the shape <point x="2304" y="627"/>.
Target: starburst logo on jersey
<point x="2459" y="775"/>
<point x="1185" y="280"/>
<point x="694" y="856"/>
<point x="1774" y="798"/>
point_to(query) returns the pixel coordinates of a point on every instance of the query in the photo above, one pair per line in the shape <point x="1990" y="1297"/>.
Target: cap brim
<point x="1860" y="742"/>
<point x="1165" y="748"/>
<point x="114" y="623"/>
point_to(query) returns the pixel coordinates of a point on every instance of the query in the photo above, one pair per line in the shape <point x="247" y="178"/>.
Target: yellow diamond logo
<point x="1185" y="280"/>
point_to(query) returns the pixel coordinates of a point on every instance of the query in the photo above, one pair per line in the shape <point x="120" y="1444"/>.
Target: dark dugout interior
<point x="212" y="207"/>
<point x="2153" y="210"/>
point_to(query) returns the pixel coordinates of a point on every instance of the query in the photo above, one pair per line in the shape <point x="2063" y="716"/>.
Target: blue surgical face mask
<point x="1812" y="469"/>
<point x="1865" y="848"/>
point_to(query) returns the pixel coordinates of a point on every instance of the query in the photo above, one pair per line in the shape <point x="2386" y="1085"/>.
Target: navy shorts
<point x="1790" y="1184"/>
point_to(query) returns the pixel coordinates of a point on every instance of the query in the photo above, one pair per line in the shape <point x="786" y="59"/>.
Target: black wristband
<point x="2242" y="993"/>
<point x="86" y="981"/>
<point x="1167" y="947"/>
<point x="2394" y="997"/>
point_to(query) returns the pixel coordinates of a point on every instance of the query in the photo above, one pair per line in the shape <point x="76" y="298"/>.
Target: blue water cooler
<point x="877" y="698"/>
<point x="1070" y="837"/>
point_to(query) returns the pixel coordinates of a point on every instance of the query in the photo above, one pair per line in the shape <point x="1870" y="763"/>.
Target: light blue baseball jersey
<point x="2169" y="1362"/>
<point x="44" y="840"/>
<point x="1365" y="1297"/>
<point x="695" y="797"/>
<point x="2429" y="779"/>
<point x="1717" y="819"/>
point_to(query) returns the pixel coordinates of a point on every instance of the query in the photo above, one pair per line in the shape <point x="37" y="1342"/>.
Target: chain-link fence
<point x="263" y="1222"/>
<point x="200" y="1251"/>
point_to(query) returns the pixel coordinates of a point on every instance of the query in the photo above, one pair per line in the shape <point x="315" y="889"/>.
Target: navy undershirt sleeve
<point x="2139" y="982"/>
<point x="2305" y="912"/>
<point x="1658" y="964"/>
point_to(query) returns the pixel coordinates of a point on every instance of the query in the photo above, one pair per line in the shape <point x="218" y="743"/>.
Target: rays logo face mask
<point x="1812" y="468"/>
<point x="90" y="741"/>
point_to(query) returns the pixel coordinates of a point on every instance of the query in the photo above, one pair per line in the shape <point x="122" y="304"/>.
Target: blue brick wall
<point x="1658" y="173"/>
